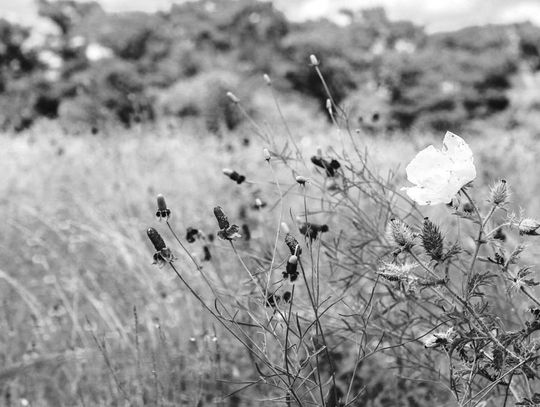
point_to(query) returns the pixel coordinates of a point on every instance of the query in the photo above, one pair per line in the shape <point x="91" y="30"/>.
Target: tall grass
<point x="89" y="321"/>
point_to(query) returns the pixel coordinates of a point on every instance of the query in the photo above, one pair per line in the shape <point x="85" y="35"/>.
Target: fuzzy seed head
<point x="528" y="226"/>
<point x="313" y="59"/>
<point x="400" y="234"/>
<point x="500" y="193"/>
<point x="233" y="97"/>
<point x="432" y="240"/>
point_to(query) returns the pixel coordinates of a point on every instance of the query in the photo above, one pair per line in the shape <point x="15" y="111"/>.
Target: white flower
<point x="438" y="175"/>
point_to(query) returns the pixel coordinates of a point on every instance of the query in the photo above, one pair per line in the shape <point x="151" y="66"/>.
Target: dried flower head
<point x="395" y="272"/>
<point x="293" y="245"/>
<point x="528" y="226"/>
<point x="313" y="59"/>
<point x="499" y="193"/>
<point x="227" y="231"/>
<point x="440" y="339"/>
<point x="400" y="234"/>
<point x="432" y="240"/>
<point x="163" y="211"/>
<point x="163" y="254"/>
<point x="291" y="270"/>
<point x="235" y="176"/>
<point x="301" y="180"/>
<point x="329" y="166"/>
<point x="311" y="230"/>
<point x="192" y="234"/>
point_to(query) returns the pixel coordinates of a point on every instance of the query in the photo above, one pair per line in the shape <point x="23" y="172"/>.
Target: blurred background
<point x="103" y="105"/>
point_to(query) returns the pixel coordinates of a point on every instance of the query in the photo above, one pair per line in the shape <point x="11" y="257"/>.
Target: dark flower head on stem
<point x="293" y="245"/>
<point x="163" y="212"/>
<point x="163" y="254"/>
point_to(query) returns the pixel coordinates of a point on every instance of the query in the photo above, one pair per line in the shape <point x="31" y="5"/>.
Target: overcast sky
<point x="435" y="15"/>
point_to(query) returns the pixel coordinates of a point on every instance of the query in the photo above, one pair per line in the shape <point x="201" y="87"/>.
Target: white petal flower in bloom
<point x="438" y="175"/>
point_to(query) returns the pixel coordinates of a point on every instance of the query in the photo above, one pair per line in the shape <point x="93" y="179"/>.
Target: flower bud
<point x="499" y="193"/>
<point x="313" y="59"/>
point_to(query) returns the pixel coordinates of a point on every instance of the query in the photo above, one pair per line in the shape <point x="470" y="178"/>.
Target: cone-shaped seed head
<point x="156" y="239"/>
<point x="223" y="222"/>
<point x="432" y="240"/>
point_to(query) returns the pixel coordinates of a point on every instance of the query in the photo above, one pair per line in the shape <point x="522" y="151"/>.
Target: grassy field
<point x="88" y="320"/>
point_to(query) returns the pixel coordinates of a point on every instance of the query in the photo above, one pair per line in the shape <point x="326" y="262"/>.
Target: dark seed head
<point x="287" y="296"/>
<point x="293" y="245"/>
<point x="223" y="222"/>
<point x="156" y="239"/>
<point x="163" y="211"/>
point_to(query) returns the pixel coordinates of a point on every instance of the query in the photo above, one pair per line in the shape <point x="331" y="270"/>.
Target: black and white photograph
<point x="244" y="203"/>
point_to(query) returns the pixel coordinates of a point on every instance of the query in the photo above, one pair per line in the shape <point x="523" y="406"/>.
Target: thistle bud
<point x="163" y="211"/>
<point x="267" y="79"/>
<point x="528" y="226"/>
<point x="313" y="59"/>
<point x="266" y="154"/>
<point x="233" y="97"/>
<point x="499" y="193"/>
<point x="400" y="234"/>
<point x="301" y="180"/>
<point x="432" y="240"/>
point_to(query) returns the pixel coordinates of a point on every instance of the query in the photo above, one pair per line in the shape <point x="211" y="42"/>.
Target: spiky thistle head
<point x="528" y="226"/>
<point x="400" y="234"/>
<point x="432" y="240"/>
<point x="499" y="193"/>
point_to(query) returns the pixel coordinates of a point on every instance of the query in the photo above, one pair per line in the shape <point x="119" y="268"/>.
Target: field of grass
<point x="87" y="320"/>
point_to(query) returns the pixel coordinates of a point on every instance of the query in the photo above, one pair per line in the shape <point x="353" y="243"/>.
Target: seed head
<point x="313" y="59"/>
<point x="163" y="211"/>
<point x="500" y="193"/>
<point x="293" y="245"/>
<point x="329" y="105"/>
<point x="156" y="239"/>
<point x="223" y="221"/>
<point x="266" y="154"/>
<point x="285" y="227"/>
<point x="301" y="180"/>
<point x="400" y="234"/>
<point x="230" y="233"/>
<point x="267" y="79"/>
<point x="528" y="226"/>
<point x="287" y="296"/>
<point x="291" y="270"/>
<point x="235" y="176"/>
<point x="233" y="97"/>
<point x="259" y="204"/>
<point x="432" y="240"/>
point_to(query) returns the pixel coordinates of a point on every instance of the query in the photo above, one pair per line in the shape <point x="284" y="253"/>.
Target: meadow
<point x="87" y="320"/>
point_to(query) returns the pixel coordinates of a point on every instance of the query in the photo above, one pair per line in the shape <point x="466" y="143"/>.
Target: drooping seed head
<point x="499" y="193"/>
